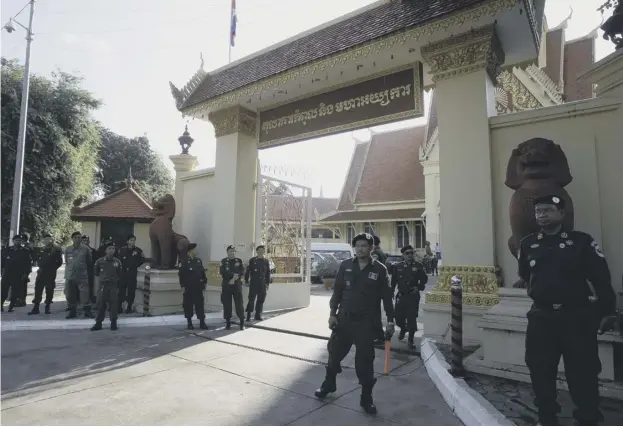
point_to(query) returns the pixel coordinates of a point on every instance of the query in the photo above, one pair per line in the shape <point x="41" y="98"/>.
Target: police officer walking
<point x="410" y="278"/>
<point x="360" y="285"/>
<point x="258" y="271"/>
<point x="16" y="267"/>
<point x="108" y="273"/>
<point x="193" y="280"/>
<point x="565" y="317"/>
<point x="50" y="260"/>
<point x="132" y="257"/>
<point x="77" y="260"/>
<point x="232" y="271"/>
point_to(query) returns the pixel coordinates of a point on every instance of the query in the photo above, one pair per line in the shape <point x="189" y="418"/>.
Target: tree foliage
<point x="119" y="155"/>
<point x="62" y="141"/>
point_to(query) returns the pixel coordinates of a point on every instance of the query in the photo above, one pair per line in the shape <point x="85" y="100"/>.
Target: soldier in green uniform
<point x="193" y="281"/>
<point x="50" y="259"/>
<point x="410" y="278"/>
<point x="107" y="272"/>
<point x="258" y="271"/>
<point x="132" y="257"/>
<point x="232" y="272"/>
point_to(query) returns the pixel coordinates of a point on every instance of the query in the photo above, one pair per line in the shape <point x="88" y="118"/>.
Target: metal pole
<point x="21" y="137"/>
<point x="457" y="368"/>
<point x="146" y="290"/>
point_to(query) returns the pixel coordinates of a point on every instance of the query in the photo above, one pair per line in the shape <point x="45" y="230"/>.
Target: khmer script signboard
<point x="395" y="95"/>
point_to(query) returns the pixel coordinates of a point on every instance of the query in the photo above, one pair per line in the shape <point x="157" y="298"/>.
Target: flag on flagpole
<point x="232" y="33"/>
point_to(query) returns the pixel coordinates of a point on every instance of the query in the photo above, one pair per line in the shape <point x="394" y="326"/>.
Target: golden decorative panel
<point x="520" y="95"/>
<point x="489" y="8"/>
<point x="480" y="285"/>
<point x="214" y="277"/>
<point x="466" y="53"/>
<point x="232" y="120"/>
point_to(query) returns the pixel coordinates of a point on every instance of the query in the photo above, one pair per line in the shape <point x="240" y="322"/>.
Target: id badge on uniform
<point x="373" y="276"/>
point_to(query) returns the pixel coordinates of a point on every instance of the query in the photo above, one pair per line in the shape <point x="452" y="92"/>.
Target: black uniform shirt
<point x="360" y="291"/>
<point x="131" y="258"/>
<point x="108" y="270"/>
<point x="16" y="262"/>
<point x="229" y="267"/>
<point x="50" y="259"/>
<point x="557" y="268"/>
<point x="408" y="276"/>
<point x="192" y="274"/>
<point x="258" y="270"/>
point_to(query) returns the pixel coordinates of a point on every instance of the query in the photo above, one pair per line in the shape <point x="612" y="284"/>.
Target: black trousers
<point x="127" y="287"/>
<point x="10" y="283"/>
<point x="256" y="290"/>
<point x="407" y="308"/>
<point x="361" y="331"/>
<point x="193" y="299"/>
<point x="571" y="334"/>
<point x="45" y="281"/>
<point x="229" y="292"/>
<point x="107" y="295"/>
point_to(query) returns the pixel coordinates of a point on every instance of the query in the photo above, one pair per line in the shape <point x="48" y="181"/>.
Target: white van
<point x="341" y="251"/>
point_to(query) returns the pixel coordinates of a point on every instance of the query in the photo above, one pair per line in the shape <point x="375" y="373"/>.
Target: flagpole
<point x="231" y="17"/>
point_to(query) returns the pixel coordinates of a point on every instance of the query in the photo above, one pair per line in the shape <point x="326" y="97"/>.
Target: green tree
<point x="119" y="155"/>
<point x="61" y="149"/>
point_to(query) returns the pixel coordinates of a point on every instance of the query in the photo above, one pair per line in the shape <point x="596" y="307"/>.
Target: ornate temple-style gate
<point x="283" y="225"/>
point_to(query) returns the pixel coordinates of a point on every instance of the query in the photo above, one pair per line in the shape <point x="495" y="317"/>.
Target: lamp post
<point x="21" y="137"/>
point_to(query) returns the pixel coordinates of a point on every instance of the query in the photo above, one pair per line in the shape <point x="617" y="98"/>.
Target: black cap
<point x="107" y="244"/>
<point x="550" y="200"/>
<point x="47" y="235"/>
<point x="230" y="247"/>
<point x="190" y="245"/>
<point x="131" y="236"/>
<point x="25" y="237"/>
<point x="406" y="248"/>
<point x="85" y="237"/>
<point x="363" y="236"/>
<point x="377" y="240"/>
<point x="76" y="233"/>
<point x="260" y="247"/>
<point x="17" y="236"/>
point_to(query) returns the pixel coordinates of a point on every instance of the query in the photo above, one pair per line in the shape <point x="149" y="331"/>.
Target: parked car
<point x="392" y="259"/>
<point x="323" y="265"/>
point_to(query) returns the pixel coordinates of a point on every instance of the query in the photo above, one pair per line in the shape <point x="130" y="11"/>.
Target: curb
<point x="467" y="404"/>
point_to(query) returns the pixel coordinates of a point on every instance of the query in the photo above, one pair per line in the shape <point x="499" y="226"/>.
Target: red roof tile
<point x="375" y="215"/>
<point x="123" y="204"/>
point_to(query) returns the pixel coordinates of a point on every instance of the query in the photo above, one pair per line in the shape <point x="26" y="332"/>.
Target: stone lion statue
<point x="537" y="167"/>
<point x="166" y="245"/>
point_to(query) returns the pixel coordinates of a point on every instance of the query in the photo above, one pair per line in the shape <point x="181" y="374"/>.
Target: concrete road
<point x="167" y="375"/>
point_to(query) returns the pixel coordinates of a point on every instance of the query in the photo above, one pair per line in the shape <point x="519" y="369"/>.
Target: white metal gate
<point x="283" y="225"/>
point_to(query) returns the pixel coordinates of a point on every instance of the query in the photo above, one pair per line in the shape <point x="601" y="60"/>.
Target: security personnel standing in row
<point x="132" y="257"/>
<point x="193" y="280"/>
<point x="410" y="278"/>
<point x="360" y="285"/>
<point x="232" y="271"/>
<point x="86" y="241"/>
<point x="16" y="267"/>
<point x="108" y="273"/>
<point x="258" y="271"/>
<point x="565" y="317"/>
<point x="32" y="253"/>
<point x="50" y="259"/>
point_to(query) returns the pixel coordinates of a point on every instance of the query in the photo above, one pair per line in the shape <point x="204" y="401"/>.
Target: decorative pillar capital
<point x="184" y="162"/>
<point x="465" y="53"/>
<point x="232" y="120"/>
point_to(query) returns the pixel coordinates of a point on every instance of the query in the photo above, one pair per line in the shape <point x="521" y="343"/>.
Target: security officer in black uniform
<point x="86" y="241"/>
<point x="108" y="272"/>
<point x="132" y="257"/>
<point x="360" y="285"/>
<point x="232" y="271"/>
<point x="410" y="278"/>
<point x="193" y="280"/>
<point x="50" y="259"/>
<point x="16" y="267"/>
<point x="565" y="317"/>
<point x="258" y="271"/>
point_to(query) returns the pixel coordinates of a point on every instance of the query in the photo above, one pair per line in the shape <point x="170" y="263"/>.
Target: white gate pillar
<point x="236" y="177"/>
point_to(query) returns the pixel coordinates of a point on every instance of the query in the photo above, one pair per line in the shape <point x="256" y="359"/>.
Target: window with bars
<point x="420" y="235"/>
<point x="351" y="233"/>
<point x="402" y="234"/>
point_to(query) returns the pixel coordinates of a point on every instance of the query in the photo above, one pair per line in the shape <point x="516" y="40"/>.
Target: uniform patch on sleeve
<point x="598" y="250"/>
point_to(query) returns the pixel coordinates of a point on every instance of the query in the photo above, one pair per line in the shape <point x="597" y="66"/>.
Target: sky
<point x="128" y="50"/>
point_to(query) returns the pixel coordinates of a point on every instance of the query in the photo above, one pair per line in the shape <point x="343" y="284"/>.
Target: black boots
<point x="401" y="335"/>
<point x="242" y="324"/>
<point x="97" y="326"/>
<point x="72" y="314"/>
<point x="47" y="308"/>
<point x="228" y="324"/>
<point x="202" y="324"/>
<point x="113" y="325"/>
<point x="11" y="305"/>
<point x="35" y="309"/>
<point x="258" y="316"/>
<point x="190" y="324"/>
<point x="128" y="310"/>
<point x="87" y="312"/>
<point x="248" y="316"/>
<point x="328" y="385"/>
<point x="411" y="339"/>
<point x="366" y="401"/>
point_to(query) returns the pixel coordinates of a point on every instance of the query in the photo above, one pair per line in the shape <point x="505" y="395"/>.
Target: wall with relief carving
<point x="590" y="133"/>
